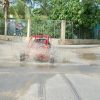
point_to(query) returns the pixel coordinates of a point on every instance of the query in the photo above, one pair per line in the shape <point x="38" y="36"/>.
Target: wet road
<point x="72" y="79"/>
<point x="46" y="83"/>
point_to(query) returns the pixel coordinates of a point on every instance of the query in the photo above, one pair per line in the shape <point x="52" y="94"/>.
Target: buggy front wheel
<point x="51" y="60"/>
<point x="22" y="57"/>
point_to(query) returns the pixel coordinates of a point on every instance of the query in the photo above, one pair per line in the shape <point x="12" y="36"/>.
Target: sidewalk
<point x="77" y="46"/>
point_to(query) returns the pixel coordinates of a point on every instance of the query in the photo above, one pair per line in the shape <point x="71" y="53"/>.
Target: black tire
<point x="52" y="60"/>
<point x="22" y="57"/>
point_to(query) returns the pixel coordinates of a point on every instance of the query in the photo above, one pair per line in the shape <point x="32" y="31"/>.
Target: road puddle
<point x="88" y="56"/>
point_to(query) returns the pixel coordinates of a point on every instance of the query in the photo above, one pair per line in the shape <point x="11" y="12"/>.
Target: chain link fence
<point x="1" y="27"/>
<point x="73" y="32"/>
<point x="51" y="27"/>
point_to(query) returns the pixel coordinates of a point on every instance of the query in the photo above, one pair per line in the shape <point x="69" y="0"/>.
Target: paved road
<point x="74" y="78"/>
<point x="75" y="83"/>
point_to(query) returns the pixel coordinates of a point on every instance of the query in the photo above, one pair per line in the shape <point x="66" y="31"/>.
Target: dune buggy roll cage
<point x="45" y="39"/>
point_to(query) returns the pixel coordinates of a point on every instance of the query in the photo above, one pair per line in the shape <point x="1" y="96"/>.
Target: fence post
<point x="28" y="17"/>
<point x="28" y="27"/>
<point x="63" y="30"/>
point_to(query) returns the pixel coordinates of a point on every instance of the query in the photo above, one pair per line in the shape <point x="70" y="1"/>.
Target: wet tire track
<point x="71" y="86"/>
<point x="41" y="91"/>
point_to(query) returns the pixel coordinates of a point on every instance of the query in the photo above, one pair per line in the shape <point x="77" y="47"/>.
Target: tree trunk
<point x="5" y="6"/>
<point x="5" y="14"/>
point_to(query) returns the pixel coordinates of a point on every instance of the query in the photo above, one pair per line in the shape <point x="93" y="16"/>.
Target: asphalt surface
<point x="75" y="75"/>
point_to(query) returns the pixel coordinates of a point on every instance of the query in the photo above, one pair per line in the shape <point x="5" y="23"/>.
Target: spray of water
<point x="13" y="50"/>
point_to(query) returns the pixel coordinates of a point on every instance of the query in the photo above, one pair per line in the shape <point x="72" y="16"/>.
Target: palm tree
<point x="5" y="7"/>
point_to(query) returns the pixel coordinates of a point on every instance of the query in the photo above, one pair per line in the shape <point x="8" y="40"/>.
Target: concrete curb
<point x="76" y="46"/>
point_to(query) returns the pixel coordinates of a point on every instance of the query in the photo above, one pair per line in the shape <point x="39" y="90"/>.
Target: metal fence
<point x="50" y="27"/>
<point x="1" y="27"/>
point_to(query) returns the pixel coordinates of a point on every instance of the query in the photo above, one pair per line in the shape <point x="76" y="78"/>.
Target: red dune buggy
<point x="38" y="48"/>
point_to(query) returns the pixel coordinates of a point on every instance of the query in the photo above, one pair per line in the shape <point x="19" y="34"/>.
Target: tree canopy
<point x="86" y="13"/>
<point x="18" y="10"/>
<point x="83" y="13"/>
